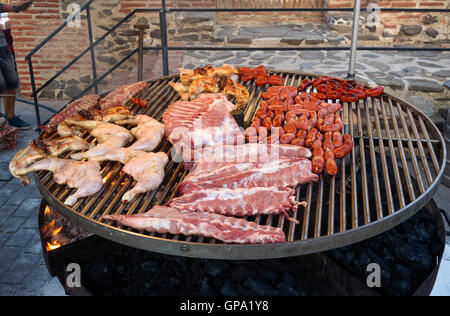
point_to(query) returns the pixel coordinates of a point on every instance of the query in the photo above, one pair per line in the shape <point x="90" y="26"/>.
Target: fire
<point x="47" y="211"/>
<point x="56" y="231"/>
<point x="53" y="245"/>
<point x="105" y="179"/>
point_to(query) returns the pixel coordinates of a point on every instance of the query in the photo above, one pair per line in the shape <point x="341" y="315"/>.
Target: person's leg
<point x="11" y="80"/>
<point x="9" y="101"/>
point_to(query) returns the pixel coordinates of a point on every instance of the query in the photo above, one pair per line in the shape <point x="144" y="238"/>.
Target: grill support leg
<point x="141" y="28"/>
<point x="353" y="50"/>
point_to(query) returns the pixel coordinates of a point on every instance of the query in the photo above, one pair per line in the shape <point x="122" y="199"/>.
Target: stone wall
<point x="31" y="27"/>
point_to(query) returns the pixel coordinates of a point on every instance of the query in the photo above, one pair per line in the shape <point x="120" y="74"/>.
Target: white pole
<point x="353" y="50"/>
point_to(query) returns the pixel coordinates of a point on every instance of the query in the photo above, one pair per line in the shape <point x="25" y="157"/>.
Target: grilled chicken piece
<point x="84" y="176"/>
<point x="108" y="136"/>
<point x="40" y="149"/>
<point x="63" y="145"/>
<point x="108" y="116"/>
<point x="24" y="158"/>
<point x="149" y="132"/>
<point x="188" y="75"/>
<point x="148" y="169"/>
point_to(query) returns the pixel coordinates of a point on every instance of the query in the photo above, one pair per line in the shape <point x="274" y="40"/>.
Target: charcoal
<point x="206" y="288"/>
<point x="239" y="273"/>
<point x="269" y="276"/>
<point x="286" y="290"/>
<point x="215" y="267"/>
<point x="259" y="288"/>
<point x="229" y="289"/>
<point x="288" y="280"/>
<point x="403" y="287"/>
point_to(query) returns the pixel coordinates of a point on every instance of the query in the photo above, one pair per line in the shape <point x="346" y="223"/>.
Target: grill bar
<point x="382" y="176"/>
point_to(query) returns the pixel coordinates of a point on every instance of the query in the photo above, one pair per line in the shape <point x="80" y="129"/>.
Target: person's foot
<point x="19" y="123"/>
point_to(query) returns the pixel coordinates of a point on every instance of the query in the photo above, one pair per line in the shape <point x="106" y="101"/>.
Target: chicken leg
<point x="148" y="169"/>
<point x="108" y="136"/>
<point x="84" y="176"/>
<point x="149" y="132"/>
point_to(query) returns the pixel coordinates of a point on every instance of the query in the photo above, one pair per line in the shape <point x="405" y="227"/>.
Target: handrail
<point x="165" y="48"/>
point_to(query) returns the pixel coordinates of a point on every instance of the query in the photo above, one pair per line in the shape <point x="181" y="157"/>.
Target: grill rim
<point x="265" y="251"/>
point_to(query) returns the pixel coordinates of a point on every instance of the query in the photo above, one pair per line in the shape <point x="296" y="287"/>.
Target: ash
<point x="406" y="254"/>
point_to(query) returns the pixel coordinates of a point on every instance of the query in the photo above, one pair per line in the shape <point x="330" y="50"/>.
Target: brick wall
<point x="31" y="27"/>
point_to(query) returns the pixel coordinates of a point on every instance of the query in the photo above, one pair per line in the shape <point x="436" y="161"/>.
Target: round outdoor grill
<point x="393" y="171"/>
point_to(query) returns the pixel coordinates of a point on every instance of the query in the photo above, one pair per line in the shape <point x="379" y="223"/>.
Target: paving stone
<point x="236" y="61"/>
<point x="5" y="175"/>
<point x="20" y="238"/>
<point x="447" y="84"/>
<point x="442" y="73"/>
<point x="20" y="269"/>
<point x="12" y="224"/>
<point x="424" y="64"/>
<point x="411" y="30"/>
<point x="425" y="85"/>
<point x="312" y="55"/>
<point x="8" y="255"/>
<point x="423" y="105"/>
<point x="390" y="81"/>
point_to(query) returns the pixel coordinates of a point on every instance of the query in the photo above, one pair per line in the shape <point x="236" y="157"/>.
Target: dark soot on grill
<point x="406" y="255"/>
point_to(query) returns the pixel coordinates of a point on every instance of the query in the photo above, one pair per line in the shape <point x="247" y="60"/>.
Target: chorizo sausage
<point x="287" y="138"/>
<point x="311" y="137"/>
<point x="267" y="122"/>
<point x="278" y="121"/>
<point x="338" y="140"/>
<point x="290" y="128"/>
<point x="302" y="134"/>
<point x="345" y="149"/>
<point x="328" y="141"/>
<point x="298" y="142"/>
<point x="331" y="167"/>
<point x="318" y="164"/>
<point x="302" y="122"/>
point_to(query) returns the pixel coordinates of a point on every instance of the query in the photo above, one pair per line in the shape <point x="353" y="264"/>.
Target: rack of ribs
<point x="280" y="173"/>
<point x="200" y="123"/>
<point x="239" y="202"/>
<point x="227" y="229"/>
<point x="121" y="95"/>
<point x="86" y="103"/>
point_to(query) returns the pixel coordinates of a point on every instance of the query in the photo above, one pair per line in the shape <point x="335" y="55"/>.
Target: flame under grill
<point x="392" y="172"/>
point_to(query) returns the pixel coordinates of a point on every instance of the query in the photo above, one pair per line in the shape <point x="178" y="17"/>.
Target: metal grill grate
<point x="392" y="172"/>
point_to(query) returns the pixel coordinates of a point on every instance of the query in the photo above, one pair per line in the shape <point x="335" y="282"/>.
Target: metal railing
<point x="165" y="48"/>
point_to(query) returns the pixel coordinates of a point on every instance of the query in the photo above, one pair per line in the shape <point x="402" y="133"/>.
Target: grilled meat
<point x="84" y="176"/>
<point x="149" y="132"/>
<point x="228" y="229"/>
<point x="121" y="95"/>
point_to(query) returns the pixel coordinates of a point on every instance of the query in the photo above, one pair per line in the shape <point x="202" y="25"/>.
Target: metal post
<point x="163" y="26"/>
<point x="356" y="17"/>
<point x="33" y="88"/>
<point x="91" y="43"/>
<point x="141" y="28"/>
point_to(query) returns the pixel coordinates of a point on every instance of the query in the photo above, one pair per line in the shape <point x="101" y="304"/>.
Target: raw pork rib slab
<point x="280" y="173"/>
<point x="86" y="103"/>
<point x="227" y="229"/>
<point x="239" y="202"/>
<point x="205" y="121"/>
<point x="121" y="95"/>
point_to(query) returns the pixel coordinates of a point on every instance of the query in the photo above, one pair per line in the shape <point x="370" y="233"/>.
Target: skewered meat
<point x="24" y="158"/>
<point x="84" y="176"/>
<point x="280" y="173"/>
<point x="239" y="202"/>
<point x="202" y="122"/>
<point x="148" y="169"/>
<point x="149" y="132"/>
<point x="108" y="136"/>
<point x="86" y="103"/>
<point x="228" y="229"/>
<point x="121" y="95"/>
